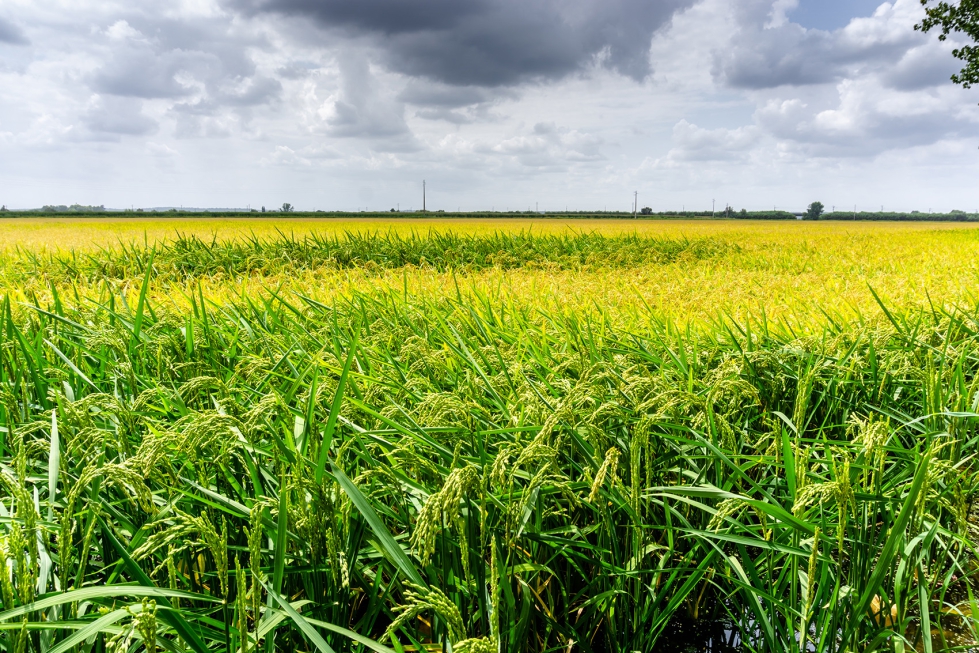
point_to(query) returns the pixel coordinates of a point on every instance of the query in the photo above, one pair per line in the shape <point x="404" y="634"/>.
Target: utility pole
<point x="424" y="205"/>
<point x="635" y="203"/>
<point x="713" y="208"/>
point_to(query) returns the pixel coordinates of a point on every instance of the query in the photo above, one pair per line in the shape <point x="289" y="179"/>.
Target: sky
<point x="496" y="104"/>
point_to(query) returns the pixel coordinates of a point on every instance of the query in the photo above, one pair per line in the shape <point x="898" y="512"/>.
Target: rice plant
<point x="190" y="256"/>
<point x="383" y="472"/>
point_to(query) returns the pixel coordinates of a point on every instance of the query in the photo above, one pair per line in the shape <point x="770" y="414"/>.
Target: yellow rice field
<point x="88" y="233"/>
<point x="786" y="270"/>
<point x="488" y="442"/>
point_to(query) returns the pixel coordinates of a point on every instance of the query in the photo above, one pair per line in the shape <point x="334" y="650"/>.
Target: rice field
<point x="780" y="270"/>
<point x="489" y="437"/>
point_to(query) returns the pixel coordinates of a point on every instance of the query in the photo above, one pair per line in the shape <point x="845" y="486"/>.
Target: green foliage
<point x="190" y="256"/>
<point x="901" y="216"/>
<point x="959" y="17"/>
<point x="74" y="208"/>
<point x="765" y="215"/>
<point x="384" y="471"/>
<point x="814" y="210"/>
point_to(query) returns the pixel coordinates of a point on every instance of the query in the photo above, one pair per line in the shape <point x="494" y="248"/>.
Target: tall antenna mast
<point x="424" y="208"/>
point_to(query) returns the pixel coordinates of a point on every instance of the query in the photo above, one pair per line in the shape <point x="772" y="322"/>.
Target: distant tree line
<point x="74" y="208"/>
<point x="815" y="211"/>
<point x="913" y="216"/>
<point x="727" y="212"/>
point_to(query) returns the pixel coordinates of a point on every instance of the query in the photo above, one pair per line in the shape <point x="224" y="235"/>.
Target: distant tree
<point x="744" y="213"/>
<point x="814" y="211"/>
<point x="3" y="208"/>
<point x="963" y="17"/>
<point x="646" y="210"/>
<point x="286" y="207"/>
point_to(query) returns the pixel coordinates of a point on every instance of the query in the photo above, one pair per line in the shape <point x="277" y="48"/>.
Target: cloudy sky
<point x="505" y="104"/>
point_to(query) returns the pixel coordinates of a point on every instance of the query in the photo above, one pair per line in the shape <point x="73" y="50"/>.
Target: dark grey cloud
<point x="493" y="42"/>
<point x="10" y="33"/>
<point x="386" y="16"/>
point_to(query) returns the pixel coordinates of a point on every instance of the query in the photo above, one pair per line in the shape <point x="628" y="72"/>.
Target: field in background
<point x="88" y="233"/>
<point x="492" y="436"/>
<point x="791" y="270"/>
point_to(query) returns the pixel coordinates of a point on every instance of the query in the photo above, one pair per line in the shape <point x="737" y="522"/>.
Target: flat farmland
<point x="82" y="232"/>
<point x="779" y="269"/>
<point x="488" y="435"/>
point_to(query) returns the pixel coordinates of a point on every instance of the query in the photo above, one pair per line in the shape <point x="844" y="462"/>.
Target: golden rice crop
<point x="203" y="449"/>
<point x="793" y="271"/>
